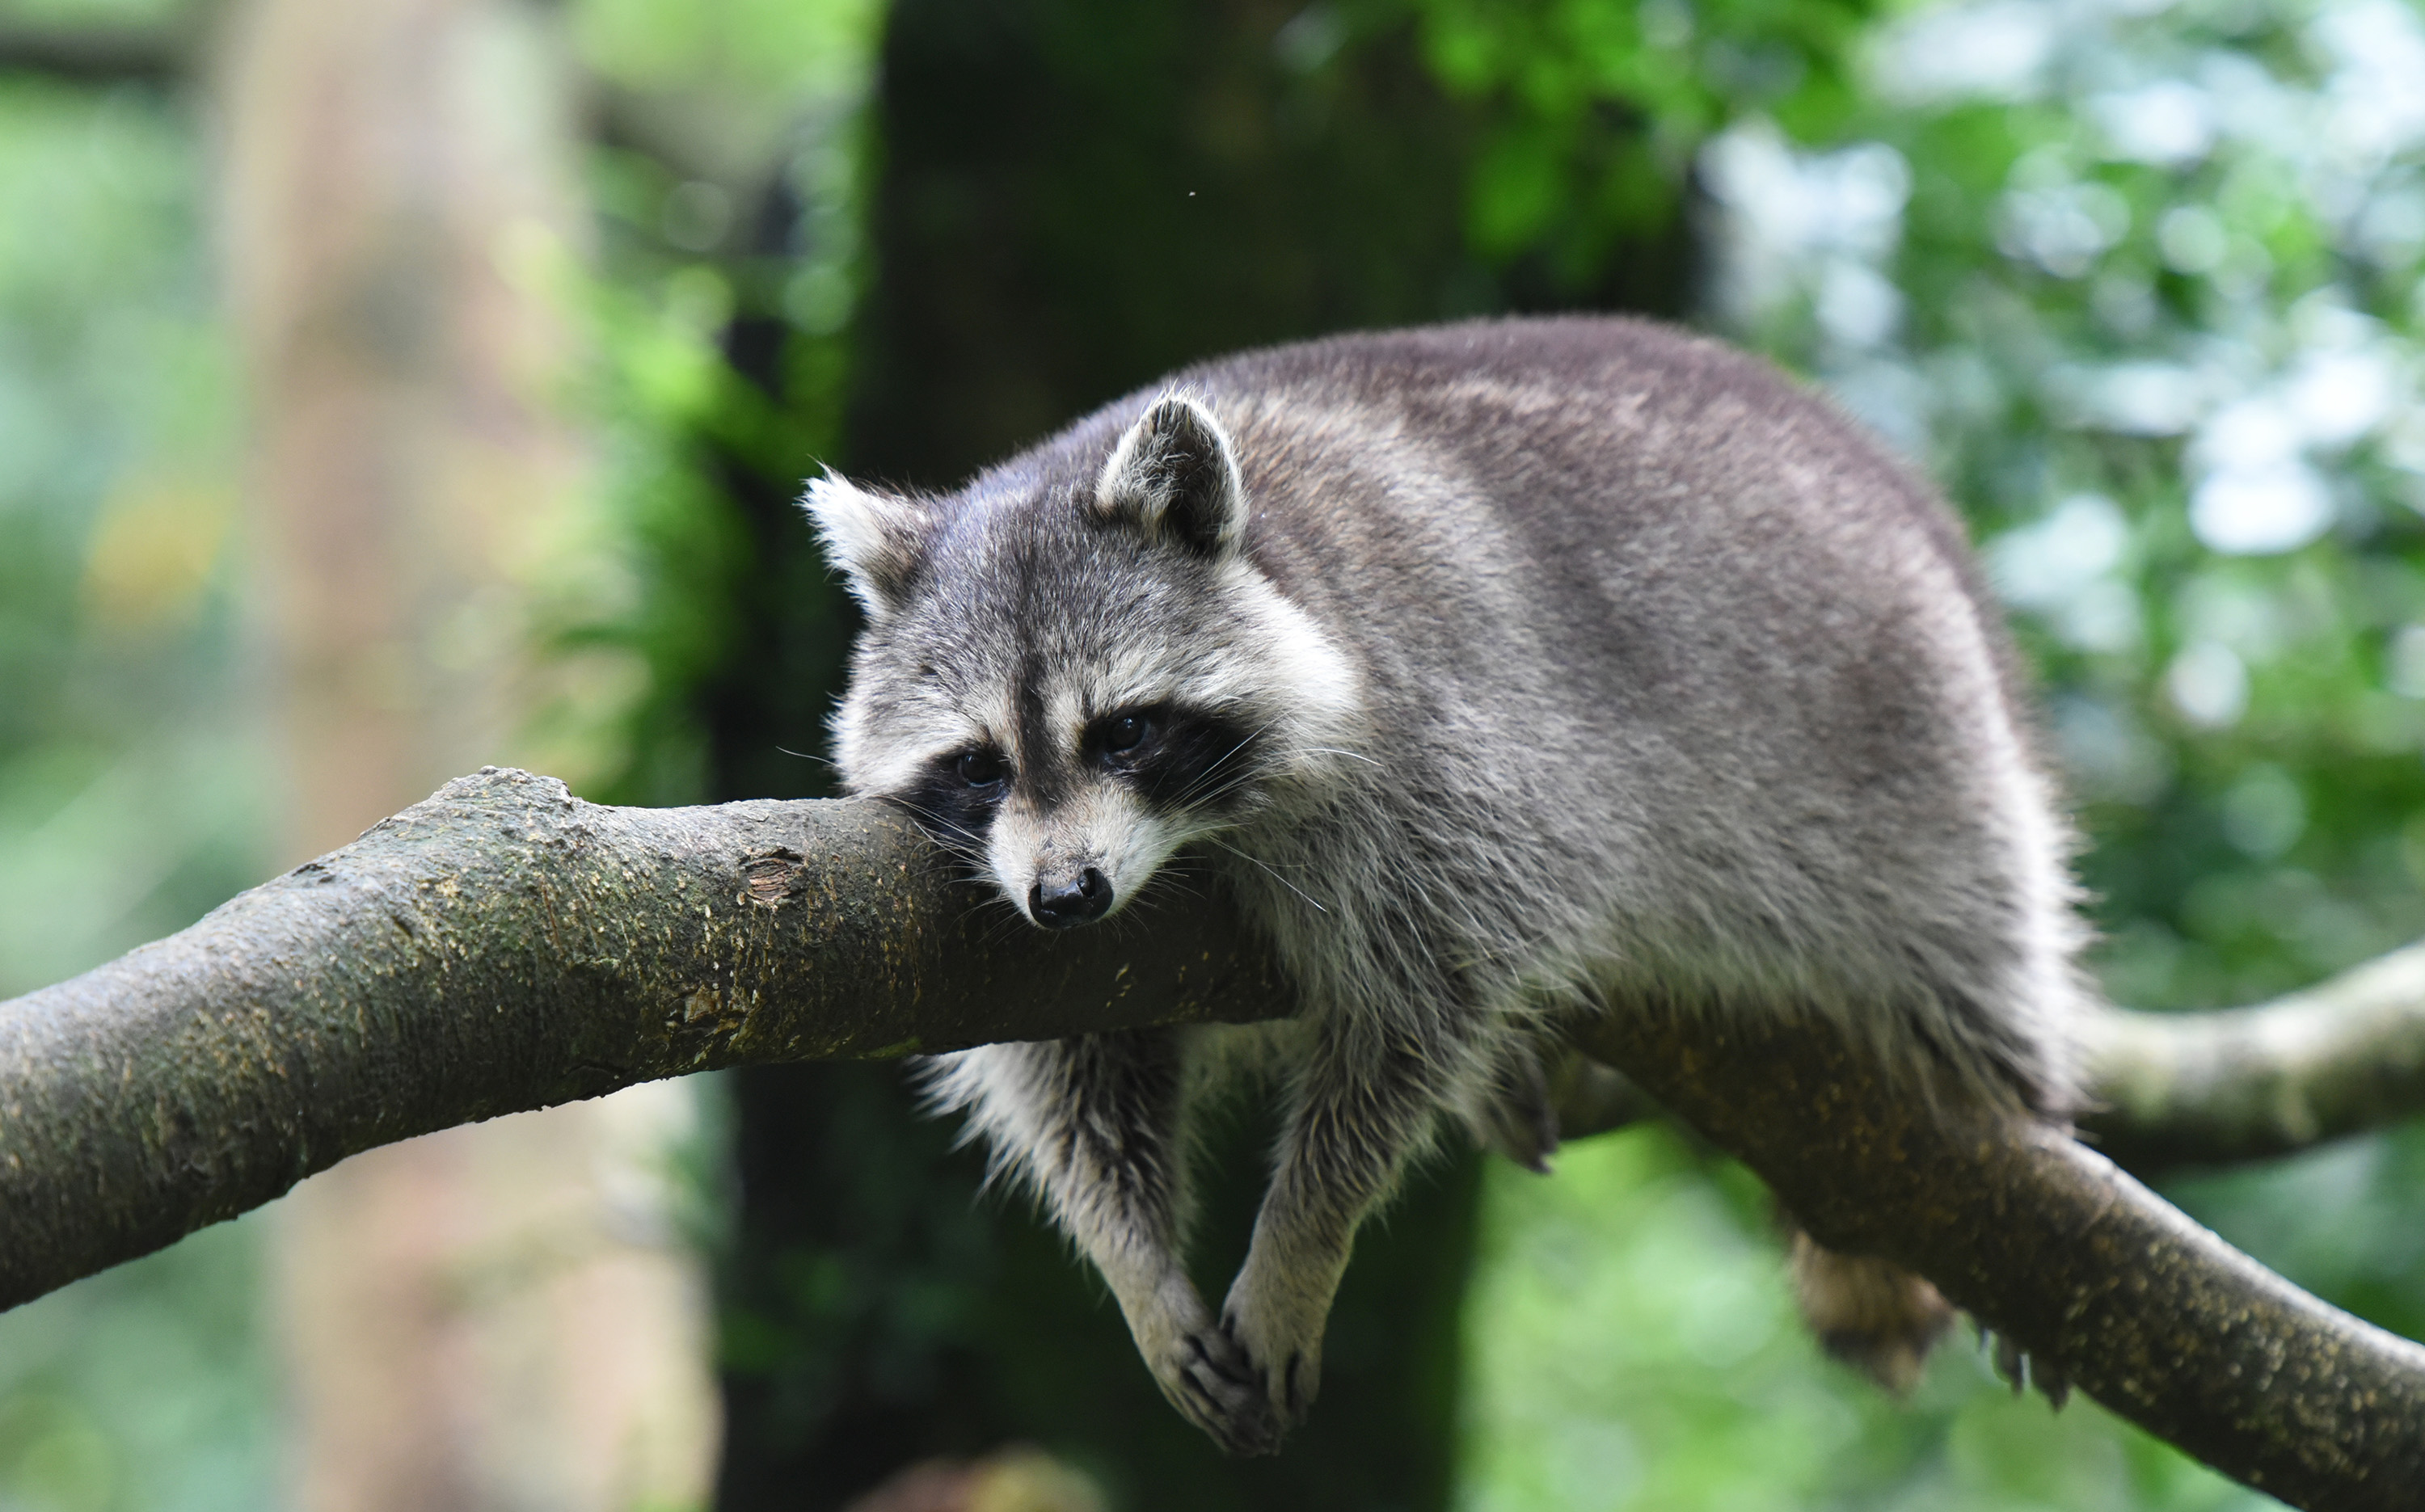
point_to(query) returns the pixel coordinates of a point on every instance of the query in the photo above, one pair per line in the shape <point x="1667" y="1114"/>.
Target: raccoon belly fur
<point x="1496" y="670"/>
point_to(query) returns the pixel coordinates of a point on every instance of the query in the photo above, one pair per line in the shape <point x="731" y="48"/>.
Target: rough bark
<point x="503" y="945"/>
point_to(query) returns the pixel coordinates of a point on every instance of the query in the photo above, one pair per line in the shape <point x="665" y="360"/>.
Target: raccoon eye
<point x="1126" y="733"/>
<point x="979" y="769"/>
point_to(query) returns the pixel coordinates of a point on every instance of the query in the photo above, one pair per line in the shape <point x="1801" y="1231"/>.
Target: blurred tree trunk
<point x="1075" y="197"/>
<point x="493" y="1316"/>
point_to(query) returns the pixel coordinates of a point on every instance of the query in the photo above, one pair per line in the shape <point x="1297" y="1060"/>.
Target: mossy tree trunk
<point x="1074" y="197"/>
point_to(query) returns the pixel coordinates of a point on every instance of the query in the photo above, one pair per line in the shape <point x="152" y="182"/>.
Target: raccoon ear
<point x="876" y="538"/>
<point x="1175" y="475"/>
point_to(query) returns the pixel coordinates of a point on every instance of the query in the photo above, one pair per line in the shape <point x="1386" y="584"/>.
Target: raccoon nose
<point x="1063" y="902"/>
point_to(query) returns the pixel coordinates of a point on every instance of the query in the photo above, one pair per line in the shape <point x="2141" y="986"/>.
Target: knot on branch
<point x="775" y="875"/>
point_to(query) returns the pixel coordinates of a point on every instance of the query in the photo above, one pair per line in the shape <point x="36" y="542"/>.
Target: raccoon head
<point x="1071" y="669"/>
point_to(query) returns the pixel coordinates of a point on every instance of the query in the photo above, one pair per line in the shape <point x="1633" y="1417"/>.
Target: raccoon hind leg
<point x="1871" y="1313"/>
<point x="1883" y="1321"/>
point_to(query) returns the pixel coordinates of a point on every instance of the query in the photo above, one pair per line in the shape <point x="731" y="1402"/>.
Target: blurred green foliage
<point x="127" y="799"/>
<point x="1635" y="1348"/>
<point x="132" y="789"/>
<point x="147" y="1386"/>
<point x="2140" y="291"/>
<point x="97" y="12"/>
<point x="726" y="186"/>
<point x="1592" y="112"/>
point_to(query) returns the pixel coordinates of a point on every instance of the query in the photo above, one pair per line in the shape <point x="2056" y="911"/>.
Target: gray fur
<point x="1572" y="664"/>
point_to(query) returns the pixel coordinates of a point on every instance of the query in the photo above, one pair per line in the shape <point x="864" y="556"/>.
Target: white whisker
<point x="1276" y="876"/>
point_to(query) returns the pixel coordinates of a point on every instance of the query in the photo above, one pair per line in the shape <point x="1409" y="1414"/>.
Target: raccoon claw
<point x="1218" y="1389"/>
<point x="1288" y="1383"/>
<point x="1298" y="1386"/>
<point x="2022" y="1369"/>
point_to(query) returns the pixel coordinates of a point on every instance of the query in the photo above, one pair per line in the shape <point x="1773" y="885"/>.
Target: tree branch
<point x="2048" y="1243"/>
<point x="504" y="946"/>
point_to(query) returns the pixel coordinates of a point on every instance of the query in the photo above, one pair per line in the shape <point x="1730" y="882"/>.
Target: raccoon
<point x="1499" y="671"/>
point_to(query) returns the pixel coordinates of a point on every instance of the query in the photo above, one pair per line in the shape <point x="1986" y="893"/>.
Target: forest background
<point x="2136" y="282"/>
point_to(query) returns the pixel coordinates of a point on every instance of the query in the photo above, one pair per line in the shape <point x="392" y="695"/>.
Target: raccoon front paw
<point x="1200" y="1367"/>
<point x="1216" y="1387"/>
<point x="1285" y="1354"/>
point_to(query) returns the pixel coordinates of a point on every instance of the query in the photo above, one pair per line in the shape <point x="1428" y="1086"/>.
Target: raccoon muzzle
<point x="1066" y="903"/>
